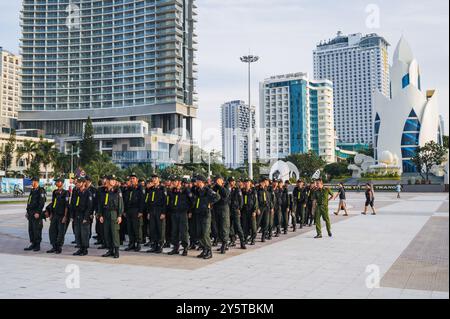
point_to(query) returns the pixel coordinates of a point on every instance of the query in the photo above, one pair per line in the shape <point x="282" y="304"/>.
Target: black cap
<point x="35" y="179"/>
<point x="231" y="179"/>
<point x="58" y="179"/>
<point x="185" y="180"/>
<point x="201" y="178"/>
<point x="218" y="177"/>
<point x="112" y="177"/>
<point x="174" y="179"/>
<point x="132" y="175"/>
<point x="81" y="179"/>
<point x="287" y="182"/>
<point x="155" y="176"/>
<point x="88" y="178"/>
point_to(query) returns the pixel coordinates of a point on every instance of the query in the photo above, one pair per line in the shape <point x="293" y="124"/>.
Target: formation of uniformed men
<point x="183" y="214"/>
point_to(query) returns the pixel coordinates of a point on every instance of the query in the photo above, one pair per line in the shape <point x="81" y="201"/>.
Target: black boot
<point x="192" y="246"/>
<point x="116" y="253"/>
<point x="58" y="250"/>
<point x="223" y="249"/>
<point x="109" y="253"/>
<point x="208" y="254"/>
<point x="29" y="248"/>
<point x="158" y="249"/>
<point x="185" y="251"/>
<point x="138" y="248"/>
<point x="202" y="254"/>
<point x="37" y="247"/>
<point x="130" y="247"/>
<point x="51" y="251"/>
<point x="252" y="243"/>
<point x="152" y="248"/>
<point x="84" y="252"/>
<point x="78" y="252"/>
<point x="243" y="245"/>
<point x="175" y="251"/>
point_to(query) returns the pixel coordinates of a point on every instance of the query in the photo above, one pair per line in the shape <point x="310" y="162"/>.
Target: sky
<point x="284" y="33"/>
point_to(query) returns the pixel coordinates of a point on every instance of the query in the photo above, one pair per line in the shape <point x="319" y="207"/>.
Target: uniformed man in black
<point x="236" y="203"/>
<point x="35" y="204"/>
<point x="286" y="206"/>
<point x="110" y="215"/>
<point x="193" y="231"/>
<point x="278" y="192"/>
<point x="274" y="204"/>
<point x="168" y="184"/>
<point x="204" y="198"/>
<point x="91" y="188"/>
<point x="222" y="212"/>
<point x="249" y="212"/>
<point x="180" y="205"/>
<point x="81" y="208"/>
<point x="134" y="211"/>
<point x="265" y="208"/>
<point x="98" y="226"/>
<point x="58" y="213"/>
<point x="146" y="226"/>
<point x="157" y="208"/>
<point x="299" y="195"/>
<point x="124" y="186"/>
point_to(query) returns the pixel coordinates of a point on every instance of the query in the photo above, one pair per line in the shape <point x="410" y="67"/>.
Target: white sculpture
<point x="388" y="163"/>
<point x="284" y="171"/>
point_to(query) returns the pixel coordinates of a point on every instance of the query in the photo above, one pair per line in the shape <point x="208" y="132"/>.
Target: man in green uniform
<point x="110" y="211"/>
<point x="205" y="197"/>
<point x="286" y="206"/>
<point x="134" y="211"/>
<point x="35" y="204"/>
<point x="322" y="195"/>
<point x="58" y="213"/>
<point x="265" y="208"/>
<point x="180" y="203"/>
<point x="299" y="196"/>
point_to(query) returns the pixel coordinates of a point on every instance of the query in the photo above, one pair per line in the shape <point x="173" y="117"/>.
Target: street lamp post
<point x="249" y="59"/>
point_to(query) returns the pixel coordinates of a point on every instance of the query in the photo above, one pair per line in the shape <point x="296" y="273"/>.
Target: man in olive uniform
<point x="81" y="208"/>
<point x="222" y="213"/>
<point x="146" y="226"/>
<point x="157" y="207"/>
<point x="205" y="197"/>
<point x="249" y="212"/>
<point x="98" y="226"/>
<point x="134" y="211"/>
<point x="265" y="208"/>
<point x="110" y="215"/>
<point x="322" y="195"/>
<point x="180" y="204"/>
<point x="58" y="213"/>
<point x="287" y="206"/>
<point x="35" y="204"/>
<point x="299" y="196"/>
<point x="236" y="203"/>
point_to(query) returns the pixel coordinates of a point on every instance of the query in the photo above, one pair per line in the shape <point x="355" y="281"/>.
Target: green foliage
<point x="336" y="170"/>
<point x="8" y="152"/>
<point x="427" y="156"/>
<point x="88" y="150"/>
<point x="307" y="163"/>
<point x="102" y="165"/>
<point x="445" y="138"/>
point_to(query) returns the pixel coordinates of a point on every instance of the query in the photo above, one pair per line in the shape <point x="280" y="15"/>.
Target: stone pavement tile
<point x="439" y="295"/>
<point x="385" y="293"/>
<point x="416" y="294"/>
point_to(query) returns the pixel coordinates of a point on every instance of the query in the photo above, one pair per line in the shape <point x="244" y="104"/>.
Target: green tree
<point x="88" y="150"/>
<point x="46" y="154"/>
<point x="307" y="163"/>
<point x="427" y="156"/>
<point x="28" y="149"/>
<point x="445" y="140"/>
<point x="61" y="164"/>
<point x="336" y="170"/>
<point x="7" y="154"/>
<point x="102" y="165"/>
<point x="33" y="170"/>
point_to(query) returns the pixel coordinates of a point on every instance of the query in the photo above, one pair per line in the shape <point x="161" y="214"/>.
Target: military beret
<point x="133" y="175"/>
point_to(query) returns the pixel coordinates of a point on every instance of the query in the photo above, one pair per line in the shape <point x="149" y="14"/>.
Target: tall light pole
<point x="249" y="59"/>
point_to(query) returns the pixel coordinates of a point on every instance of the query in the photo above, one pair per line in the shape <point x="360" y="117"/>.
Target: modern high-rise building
<point x="235" y="119"/>
<point x="409" y="118"/>
<point x="296" y="116"/>
<point x="358" y="65"/>
<point x="125" y="61"/>
<point x="10" y="90"/>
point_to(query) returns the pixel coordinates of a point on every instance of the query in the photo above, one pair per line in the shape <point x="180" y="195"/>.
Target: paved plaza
<point x="400" y="253"/>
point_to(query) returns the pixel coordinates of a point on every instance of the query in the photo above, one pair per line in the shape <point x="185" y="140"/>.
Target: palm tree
<point x="28" y="149"/>
<point x="46" y="154"/>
